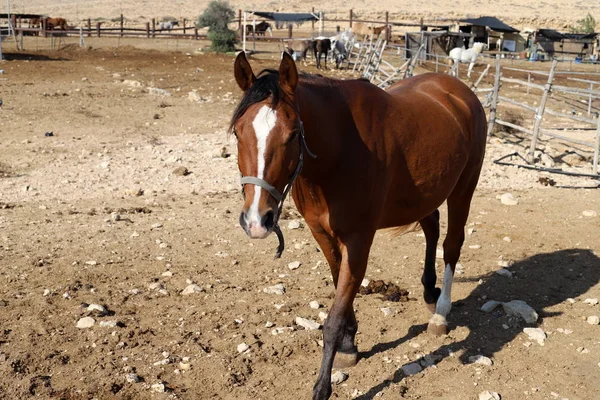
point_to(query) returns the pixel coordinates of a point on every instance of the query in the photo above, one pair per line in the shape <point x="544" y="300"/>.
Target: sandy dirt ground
<point x="537" y="14"/>
<point x="100" y="213"/>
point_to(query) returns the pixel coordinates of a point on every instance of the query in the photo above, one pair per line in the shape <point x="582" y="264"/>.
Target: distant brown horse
<point x="53" y="23"/>
<point x="34" y="23"/>
<point x="384" y="159"/>
<point x="320" y="47"/>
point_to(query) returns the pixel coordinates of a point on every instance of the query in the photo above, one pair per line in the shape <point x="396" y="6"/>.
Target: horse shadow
<point x="543" y="280"/>
<point x="31" y="57"/>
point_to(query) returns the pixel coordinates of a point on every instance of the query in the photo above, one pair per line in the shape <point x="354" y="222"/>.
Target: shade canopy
<point x="491" y="22"/>
<point x="287" y="17"/>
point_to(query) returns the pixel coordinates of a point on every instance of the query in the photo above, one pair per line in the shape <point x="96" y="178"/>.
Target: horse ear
<point x="288" y="74"/>
<point x="243" y="72"/>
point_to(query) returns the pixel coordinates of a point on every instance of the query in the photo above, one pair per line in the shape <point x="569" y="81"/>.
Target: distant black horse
<point x="259" y="29"/>
<point x="321" y="46"/>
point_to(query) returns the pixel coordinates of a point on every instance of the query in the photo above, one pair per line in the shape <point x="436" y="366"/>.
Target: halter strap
<point x="280" y="197"/>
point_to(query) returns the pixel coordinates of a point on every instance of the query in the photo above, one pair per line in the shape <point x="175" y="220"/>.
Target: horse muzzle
<point x="258" y="227"/>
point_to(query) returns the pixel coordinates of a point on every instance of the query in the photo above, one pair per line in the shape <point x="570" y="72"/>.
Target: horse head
<point x="479" y="47"/>
<point x="269" y="136"/>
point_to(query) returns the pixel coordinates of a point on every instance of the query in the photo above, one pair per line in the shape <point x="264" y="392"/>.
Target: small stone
<point x="156" y="286"/>
<point x="322" y="315"/>
<point x="536" y="334"/>
<point x="156" y="225"/>
<point x="509" y="200"/>
<point x="132" y="378"/>
<point x="504" y="263"/>
<point x="338" y="377"/>
<point x="475" y="246"/>
<point x="591" y="302"/>
<point x="294" y="265"/>
<point x="470" y="231"/>
<point x="314" y="305"/>
<point x="91" y="262"/>
<point x="275" y="289"/>
<point x="242" y="347"/>
<point x="191" y="289"/>
<point x="490" y="306"/>
<point x="85" y="322"/>
<point x="522" y="309"/>
<point x="97" y="307"/>
<point x="269" y="324"/>
<point x="504" y="272"/>
<point x="135" y="234"/>
<point x="181" y="171"/>
<point x="307" y="324"/>
<point x="167" y="274"/>
<point x="386" y="311"/>
<point x="487" y="395"/>
<point x="108" y="324"/>
<point x="593" y="320"/>
<point x="365" y="282"/>
<point x="47" y="292"/>
<point x="480" y="359"/>
<point x="158" y="387"/>
<point x="507" y="239"/>
<point x="185" y="366"/>
<point x="295" y="224"/>
<point x="571" y="300"/>
<point x="590" y="213"/>
<point x="412" y="369"/>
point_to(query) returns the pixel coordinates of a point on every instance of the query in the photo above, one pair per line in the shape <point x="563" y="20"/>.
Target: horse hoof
<point x="345" y="360"/>
<point x="437" y="330"/>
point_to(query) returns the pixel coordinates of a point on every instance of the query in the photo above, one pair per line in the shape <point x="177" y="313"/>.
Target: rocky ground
<point x="124" y="273"/>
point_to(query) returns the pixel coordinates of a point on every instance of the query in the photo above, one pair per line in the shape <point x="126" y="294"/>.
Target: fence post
<point x="590" y="99"/>
<point x="183" y="22"/>
<point x="121" y="25"/>
<point x="44" y="26"/>
<point x="313" y="22"/>
<point x="388" y="33"/>
<point x="81" y="42"/>
<point x="350" y="18"/>
<point x="98" y="28"/>
<point x="290" y="27"/>
<point x="528" y="81"/>
<point x="239" y="19"/>
<point x="483" y="74"/>
<point x="494" y="104"/>
<point x="89" y="27"/>
<point x="147" y="29"/>
<point x="597" y="149"/>
<point x="195" y="33"/>
<point x="153" y="27"/>
<point x="540" y="113"/>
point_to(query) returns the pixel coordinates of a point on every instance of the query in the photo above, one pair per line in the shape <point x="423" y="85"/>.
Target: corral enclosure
<point x="135" y="197"/>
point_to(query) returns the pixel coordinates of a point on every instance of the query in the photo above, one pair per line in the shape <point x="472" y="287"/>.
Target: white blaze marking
<point x="444" y="303"/>
<point x="263" y="124"/>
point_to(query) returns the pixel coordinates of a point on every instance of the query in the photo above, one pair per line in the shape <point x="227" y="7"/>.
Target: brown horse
<point x="53" y="23"/>
<point x="384" y="159"/>
<point x="320" y="47"/>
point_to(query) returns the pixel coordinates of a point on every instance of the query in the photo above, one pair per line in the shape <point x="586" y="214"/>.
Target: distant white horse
<point x="460" y="54"/>
<point x="168" y="25"/>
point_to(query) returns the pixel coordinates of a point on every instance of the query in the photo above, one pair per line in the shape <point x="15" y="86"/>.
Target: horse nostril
<point x="268" y="220"/>
<point x="243" y="222"/>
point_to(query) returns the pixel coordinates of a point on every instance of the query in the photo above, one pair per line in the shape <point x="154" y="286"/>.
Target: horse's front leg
<point x="341" y="326"/>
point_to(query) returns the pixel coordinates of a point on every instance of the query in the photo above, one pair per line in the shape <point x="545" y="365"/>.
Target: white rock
<point x="509" y="200"/>
<point x="158" y="387"/>
<point x="294" y="265"/>
<point x="275" y="289"/>
<point x="475" y="246"/>
<point x="507" y="239"/>
<point x="314" y="305"/>
<point x="194" y="96"/>
<point x="536" y="334"/>
<point x="480" y="359"/>
<point x="307" y="324"/>
<point x="167" y="274"/>
<point x="97" y="307"/>
<point x="108" y="324"/>
<point x="132" y="83"/>
<point x="487" y="395"/>
<point x="86" y="322"/>
<point x="504" y="263"/>
<point x="47" y="292"/>
<point x="338" y="377"/>
<point x="91" y="262"/>
<point x="522" y="309"/>
<point x="191" y="289"/>
<point x="590" y="213"/>
<point x="158" y="92"/>
<point x="571" y="300"/>
<point x="386" y="311"/>
<point x="593" y="320"/>
<point x="295" y="224"/>
<point x="412" y="369"/>
<point x="322" y="315"/>
<point x="269" y="324"/>
<point x="365" y="282"/>
<point x="504" y="272"/>
<point x="242" y="347"/>
<point x="591" y="302"/>
<point x="156" y="225"/>
<point x="490" y="305"/>
<point x="132" y="378"/>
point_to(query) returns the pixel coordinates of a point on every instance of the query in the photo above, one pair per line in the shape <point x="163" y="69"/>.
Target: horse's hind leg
<point x="459" y="204"/>
<point x="431" y="229"/>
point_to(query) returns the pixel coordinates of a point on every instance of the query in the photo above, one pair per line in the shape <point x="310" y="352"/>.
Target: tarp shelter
<point x="280" y="18"/>
<point x="505" y="38"/>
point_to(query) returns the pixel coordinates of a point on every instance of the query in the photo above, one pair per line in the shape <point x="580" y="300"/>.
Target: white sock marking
<point x="263" y="124"/>
<point x="444" y="303"/>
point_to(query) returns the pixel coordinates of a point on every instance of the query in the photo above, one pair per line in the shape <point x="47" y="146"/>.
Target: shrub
<point x="216" y="17"/>
<point x="585" y="25"/>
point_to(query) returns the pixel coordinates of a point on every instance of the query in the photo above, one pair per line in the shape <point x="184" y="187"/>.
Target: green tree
<point x="216" y="17"/>
<point x="584" y="25"/>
